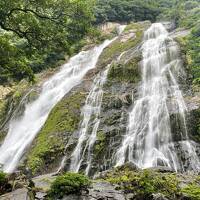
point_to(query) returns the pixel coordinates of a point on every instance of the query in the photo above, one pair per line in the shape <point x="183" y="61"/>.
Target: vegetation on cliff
<point x="51" y="140"/>
<point x="146" y="184"/>
<point x="37" y="34"/>
<point x="133" y="36"/>
<point x="4" y="185"/>
<point x="126" y="10"/>
<point x="68" y="183"/>
<point x="143" y="184"/>
<point x="32" y="38"/>
<point x="190" y="46"/>
<point x="128" y="72"/>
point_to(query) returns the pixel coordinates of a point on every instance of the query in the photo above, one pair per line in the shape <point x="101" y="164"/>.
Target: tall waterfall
<point x="149" y="142"/>
<point x="89" y="125"/>
<point x="23" y="130"/>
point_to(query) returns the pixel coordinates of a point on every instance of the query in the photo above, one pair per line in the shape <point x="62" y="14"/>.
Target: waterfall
<point x="148" y="141"/>
<point x="23" y="130"/>
<point x="89" y="125"/>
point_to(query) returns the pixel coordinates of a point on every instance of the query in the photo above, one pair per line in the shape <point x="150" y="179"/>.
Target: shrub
<point x="2" y="177"/>
<point x="68" y="183"/>
<point x="143" y="184"/>
<point x="4" y="186"/>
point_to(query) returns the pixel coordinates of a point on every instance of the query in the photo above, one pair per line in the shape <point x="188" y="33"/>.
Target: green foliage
<point x="117" y="47"/>
<point x="145" y="183"/>
<point x="190" y="47"/>
<point x="193" y="46"/>
<point x="2" y="177"/>
<point x="64" y="118"/>
<point x="126" y="10"/>
<point x="4" y="186"/>
<point x="183" y="12"/>
<point x="68" y="183"/>
<point x="13" y="62"/>
<point x="100" y="143"/>
<point x="192" y="190"/>
<point x="36" y="34"/>
<point x="128" y="72"/>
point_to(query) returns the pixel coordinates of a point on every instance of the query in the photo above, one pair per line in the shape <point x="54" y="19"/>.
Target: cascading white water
<point x="23" y="130"/>
<point x="91" y="120"/>
<point x="148" y="142"/>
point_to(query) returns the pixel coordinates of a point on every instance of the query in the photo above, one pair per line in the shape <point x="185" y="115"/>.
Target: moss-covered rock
<point x="127" y="72"/>
<point x="130" y="38"/>
<point x="5" y="186"/>
<point x="11" y="104"/>
<point x="50" y="143"/>
<point x="194" y="130"/>
<point x="144" y="184"/>
<point x="100" y="144"/>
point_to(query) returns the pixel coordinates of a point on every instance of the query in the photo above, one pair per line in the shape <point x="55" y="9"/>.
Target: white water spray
<point x="91" y="120"/>
<point x="90" y="123"/>
<point x="148" y="142"/>
<point x="23" y="130"/>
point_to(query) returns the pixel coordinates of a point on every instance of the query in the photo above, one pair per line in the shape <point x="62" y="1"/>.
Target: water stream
<point x="148" y="141"/>
<point x="89" y="125"/>
<point x="23" y="130"/>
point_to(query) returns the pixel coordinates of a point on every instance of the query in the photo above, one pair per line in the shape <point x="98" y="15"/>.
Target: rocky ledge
<point x="122" y="183"/>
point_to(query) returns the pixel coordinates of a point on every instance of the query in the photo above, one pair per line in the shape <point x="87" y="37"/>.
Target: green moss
<point x="100" y="143"/>
<point x="128" y="72"/>
<point x="5" y="186"/>
<point x="65" y="117"/>
<point x="143" y="184"/>
<point x="69" y="183"/>
<point x="192" y="190"/>
<point x="3" y="110"/>
<point x="2" y="177"/>
<point x="190" y="47"/>
<point x="20" y="89"/>
<point x="118" y="46"/>
<point x="137" y="26"/>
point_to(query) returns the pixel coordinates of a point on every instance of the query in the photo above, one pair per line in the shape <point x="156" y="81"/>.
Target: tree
<point x="126" y="10"/>
<point x="40" y="28"/>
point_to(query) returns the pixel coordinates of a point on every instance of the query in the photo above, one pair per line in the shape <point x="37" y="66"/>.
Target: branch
<point x="18" y="32"/>
<point x="37" y="14"/>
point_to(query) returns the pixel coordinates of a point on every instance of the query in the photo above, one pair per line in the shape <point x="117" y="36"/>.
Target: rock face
<point x="99" y="191"/>
<point x="59" y="135"/>
<point x="19" y="194"/>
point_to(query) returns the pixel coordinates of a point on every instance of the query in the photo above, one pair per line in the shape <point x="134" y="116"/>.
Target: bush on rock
<point x="68" y="183"/>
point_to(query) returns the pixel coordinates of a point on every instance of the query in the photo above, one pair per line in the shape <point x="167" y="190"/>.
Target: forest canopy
<point x="35" y="33"/>
<point x="38" y="34"/>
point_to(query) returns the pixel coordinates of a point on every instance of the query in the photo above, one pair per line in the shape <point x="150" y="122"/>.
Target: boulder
<point x="19" y="194"/>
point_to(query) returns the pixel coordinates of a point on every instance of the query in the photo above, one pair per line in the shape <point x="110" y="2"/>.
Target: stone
<point x="73" y="197"/>
<point x="98" y="191"/>
<point x="4" y="91"/>
<point x="104" y="191"/>
<point x="130" y="196"/>
<point x="19" y="194"/>
<point x="43" y="182"/>
<point x="162" y="169"/>
<point x="130" y="35"/>
<point x="159" y="196"/>
<point x="40" y="195"/>
<point x="131" y="166"/>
